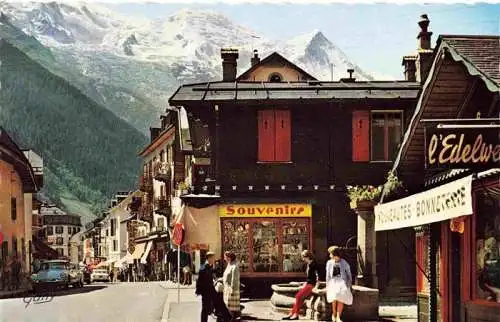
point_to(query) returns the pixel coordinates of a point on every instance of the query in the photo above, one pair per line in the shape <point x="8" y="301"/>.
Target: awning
<point x="127" y="259"/>
<point x="101" y="264"/>
<point x="138" y="251"/>
<point x="447" y="201"/>
<point x="146" y="253"/>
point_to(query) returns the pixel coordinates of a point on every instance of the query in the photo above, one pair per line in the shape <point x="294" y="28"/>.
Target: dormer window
<point x="275" y="78"/>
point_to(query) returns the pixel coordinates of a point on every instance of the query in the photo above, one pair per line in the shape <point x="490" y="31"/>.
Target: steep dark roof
<point x="276" y="57"/>
<point x="480" y="54"/>
<point x="10" y="152"/>
<point x="265" y="91"/>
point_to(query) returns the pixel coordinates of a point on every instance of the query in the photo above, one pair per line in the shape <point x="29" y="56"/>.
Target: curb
<point x="9" y="294"/>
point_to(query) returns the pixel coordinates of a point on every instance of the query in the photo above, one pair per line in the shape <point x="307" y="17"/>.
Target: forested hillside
<point x="89" y="153"/>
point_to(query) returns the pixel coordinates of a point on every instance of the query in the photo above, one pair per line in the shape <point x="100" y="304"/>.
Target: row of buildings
<point x="22" y="227"/>
<point x="402" y="174"/>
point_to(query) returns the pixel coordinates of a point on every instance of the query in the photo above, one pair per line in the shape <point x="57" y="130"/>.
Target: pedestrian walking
<point x="312" y="281"/>
<point x="338" y="283"/>
<point x="231" y="279"/>
<point x="209" y="299"/>
<point x="6" y="274"/>
<point x="16" y="272"/>
<point x="111" y="275"/>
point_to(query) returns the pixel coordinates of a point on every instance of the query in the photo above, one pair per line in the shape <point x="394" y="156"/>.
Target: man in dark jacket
<point x="209" y="298"/>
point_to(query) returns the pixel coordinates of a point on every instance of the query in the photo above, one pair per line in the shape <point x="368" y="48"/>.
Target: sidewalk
<point x="189" y="309"/>
<point x="23" y="289"/>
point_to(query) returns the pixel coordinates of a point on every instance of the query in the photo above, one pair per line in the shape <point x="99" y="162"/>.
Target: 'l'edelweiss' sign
<point x="470" y="148"/>
<point x="265" y="210"/>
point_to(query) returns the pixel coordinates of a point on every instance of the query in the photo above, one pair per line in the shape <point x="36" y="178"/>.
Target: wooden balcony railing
<point x="146" y="183"/>
<point x="163" y="206"/>
<point x="162" y="171"/>
<point x="146" y="212"/>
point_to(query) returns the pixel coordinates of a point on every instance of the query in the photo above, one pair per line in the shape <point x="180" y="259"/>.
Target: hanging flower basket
<point x="363" y="197"/>
<point x="366" y="196"/>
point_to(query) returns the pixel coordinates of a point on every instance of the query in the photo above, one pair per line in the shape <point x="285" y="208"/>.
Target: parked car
<point x="54" y="274"/>
<point x="76" y="275"/>
<point x="100" y="275"/>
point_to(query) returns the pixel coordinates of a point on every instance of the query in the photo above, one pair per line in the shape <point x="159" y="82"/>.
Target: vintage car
<point x="100" y="274"/>
<point x="56" y="273"/>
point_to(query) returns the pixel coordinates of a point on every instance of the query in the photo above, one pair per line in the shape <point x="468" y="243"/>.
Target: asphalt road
<point x="124" y="302"/>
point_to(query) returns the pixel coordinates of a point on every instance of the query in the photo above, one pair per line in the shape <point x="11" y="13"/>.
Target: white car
<point x="100" y="275"/>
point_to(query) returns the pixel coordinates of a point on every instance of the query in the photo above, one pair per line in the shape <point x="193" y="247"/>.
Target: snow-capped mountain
<point x="132" y="65"/>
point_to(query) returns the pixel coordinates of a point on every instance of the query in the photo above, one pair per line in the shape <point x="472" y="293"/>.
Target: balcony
<point x="162" y="205"/>
<point x="146" y="183"/>
<point x="146" y="212"/>
<point x="162" y="172"/>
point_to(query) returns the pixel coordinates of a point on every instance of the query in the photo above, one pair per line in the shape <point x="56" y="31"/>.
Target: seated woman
<point x="306" y="291"/>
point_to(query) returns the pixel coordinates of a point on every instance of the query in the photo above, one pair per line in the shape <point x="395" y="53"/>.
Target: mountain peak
<point x="315" y="37"/>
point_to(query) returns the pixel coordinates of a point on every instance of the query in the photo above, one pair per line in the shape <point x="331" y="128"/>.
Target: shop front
<point x="457" y="248"/>
<point x="267" y="238"/>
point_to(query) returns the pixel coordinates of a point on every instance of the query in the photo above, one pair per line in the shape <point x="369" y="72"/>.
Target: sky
<point x="374" y="36"/>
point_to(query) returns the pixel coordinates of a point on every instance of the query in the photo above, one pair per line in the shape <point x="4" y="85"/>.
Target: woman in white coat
<point x="338" y="283"/>
<point x="231" y="279"/>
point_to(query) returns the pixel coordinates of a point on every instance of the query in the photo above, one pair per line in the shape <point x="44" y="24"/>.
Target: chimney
<point x="410" y="68"/>
<point x="229" y="65"/>
<point x="255" y="59"/>
<point x="425" y="51"/>
<point x="350" y="79"/>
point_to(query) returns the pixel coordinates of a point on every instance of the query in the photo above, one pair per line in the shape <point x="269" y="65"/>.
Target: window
<point x="59" y="229"/>
<point x="161" y="223"/>
<point x="13" y="208"/>
<point x="162" y="156"/>
<point x="274" y="136"/>
<point x="487" y="247"/>
<point x="376" y="135"/>
<point x="69" y="230"/>
<point x="275" y="78"/>
<point x="59" y="241"/>
<point x="113" y="227"/>
<point x="267" y="245"/>
<point x="236" y="239"/>
<point x="50" y="230"/>
<point x="60" y="251"/>
<point x="115" y="245"/>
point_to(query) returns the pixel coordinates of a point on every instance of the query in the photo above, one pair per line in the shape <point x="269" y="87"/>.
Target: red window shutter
<point x="283" y="136"/>
<point x="361" y="136"/>
<point x="266" y="135"/>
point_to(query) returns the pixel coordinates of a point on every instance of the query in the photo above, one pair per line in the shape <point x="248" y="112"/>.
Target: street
<point x="95" y="302"/>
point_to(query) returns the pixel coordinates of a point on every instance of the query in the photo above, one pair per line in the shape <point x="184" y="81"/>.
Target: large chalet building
<point x="278" y="148"/>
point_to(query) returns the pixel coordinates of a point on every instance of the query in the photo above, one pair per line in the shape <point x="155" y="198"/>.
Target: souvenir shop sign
<point x="469" y="148"/>
<point x="448" y="201"/>
<point x="265" y="210"/>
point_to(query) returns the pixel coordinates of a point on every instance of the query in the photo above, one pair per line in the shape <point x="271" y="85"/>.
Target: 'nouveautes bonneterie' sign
<point x="448" y="201"/>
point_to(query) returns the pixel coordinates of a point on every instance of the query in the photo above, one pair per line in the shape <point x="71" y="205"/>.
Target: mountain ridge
<point x="82" y="143"/>
<point x="132" y="65"/>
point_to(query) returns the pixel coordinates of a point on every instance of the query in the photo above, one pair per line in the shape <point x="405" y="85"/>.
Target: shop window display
<point x="236" y="233"/>
<point x="488" y="247"/>
<point x="265" y="247"/>
<point x="295" y="240"/>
